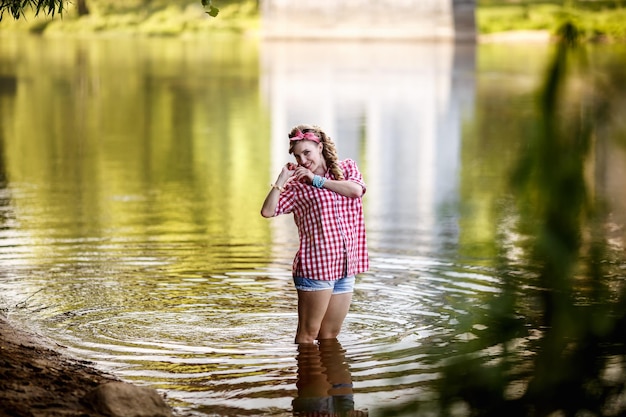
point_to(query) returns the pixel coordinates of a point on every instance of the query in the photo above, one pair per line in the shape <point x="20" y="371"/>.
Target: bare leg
<point x="312" y="308"/>
<point x="335" y="314"/>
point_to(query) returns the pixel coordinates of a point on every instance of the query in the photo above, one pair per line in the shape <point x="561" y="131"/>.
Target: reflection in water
<point x="551" y="342"/>
<point x="133" y="172"/>
<point x="396" y="108"/>
<point x="324" y="381"/>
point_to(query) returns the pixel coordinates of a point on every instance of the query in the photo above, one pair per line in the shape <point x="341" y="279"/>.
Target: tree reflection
<point x="552" y="342"/>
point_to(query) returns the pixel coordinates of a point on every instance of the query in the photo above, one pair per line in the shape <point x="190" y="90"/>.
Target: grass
<point x="595" y="20"/>
<point x="156" y="18"/>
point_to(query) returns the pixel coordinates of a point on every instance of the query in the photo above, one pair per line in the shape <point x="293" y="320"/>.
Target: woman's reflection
<point x="324" y="381"/>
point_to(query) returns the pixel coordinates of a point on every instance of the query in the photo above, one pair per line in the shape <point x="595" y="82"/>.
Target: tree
<point x="16" y="7"/>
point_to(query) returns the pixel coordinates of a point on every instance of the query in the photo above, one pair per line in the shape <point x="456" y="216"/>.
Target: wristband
<point x="318" y="181"/>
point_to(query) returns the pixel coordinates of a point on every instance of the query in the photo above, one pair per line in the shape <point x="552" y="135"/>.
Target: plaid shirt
<point x="330" y="226"/>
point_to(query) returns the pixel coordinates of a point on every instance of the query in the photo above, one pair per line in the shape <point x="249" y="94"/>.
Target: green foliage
<point x="16" y="7"/>
<point x="146" y="17"/>
<point x="592" y="19"/>
<point x="516" y="17"/>
<point x="213" y="11"/>
<point x="551" y="342"/>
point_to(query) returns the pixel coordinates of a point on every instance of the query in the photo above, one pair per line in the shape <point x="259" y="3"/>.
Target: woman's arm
<point x="346" y="188"/>
<point x="271" y="201"/>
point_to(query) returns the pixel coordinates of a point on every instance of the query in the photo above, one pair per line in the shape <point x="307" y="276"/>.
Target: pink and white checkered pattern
<point x="331" y="228"/>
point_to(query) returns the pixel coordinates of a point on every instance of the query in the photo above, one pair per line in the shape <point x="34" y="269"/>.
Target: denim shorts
<point x="340" y="286"/>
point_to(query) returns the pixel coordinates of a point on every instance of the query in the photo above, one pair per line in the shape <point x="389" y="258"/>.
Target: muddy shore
<point x="38" y="379"/>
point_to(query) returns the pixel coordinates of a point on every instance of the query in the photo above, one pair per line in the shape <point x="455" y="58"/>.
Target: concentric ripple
<point x="221" y="344"/>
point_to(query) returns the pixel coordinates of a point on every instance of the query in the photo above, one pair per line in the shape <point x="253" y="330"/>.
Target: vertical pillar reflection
<point x="363" y="19"/>
<point x="395" y="107"/>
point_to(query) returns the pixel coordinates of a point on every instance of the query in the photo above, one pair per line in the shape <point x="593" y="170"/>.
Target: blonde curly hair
<point x="329" y="151"/>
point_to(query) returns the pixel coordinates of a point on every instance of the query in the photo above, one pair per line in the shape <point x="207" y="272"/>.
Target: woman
<point x="324" y="195"/>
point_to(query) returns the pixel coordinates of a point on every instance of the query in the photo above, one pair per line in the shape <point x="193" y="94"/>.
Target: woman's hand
<point x="286" y="173"/>
<point x="289" y="168"/>
<point x="303" y="174"/>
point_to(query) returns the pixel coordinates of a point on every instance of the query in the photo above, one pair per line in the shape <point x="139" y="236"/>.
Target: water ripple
<point x="221" y="342"/>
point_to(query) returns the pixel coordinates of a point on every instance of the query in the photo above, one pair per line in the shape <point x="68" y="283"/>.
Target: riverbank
<point x="517" y="36"/>
<point x="38" y="379"/>
<point x="594" y="21"/>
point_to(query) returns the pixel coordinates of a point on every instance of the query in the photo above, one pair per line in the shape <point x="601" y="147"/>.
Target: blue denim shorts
<point x="340" y="286"/>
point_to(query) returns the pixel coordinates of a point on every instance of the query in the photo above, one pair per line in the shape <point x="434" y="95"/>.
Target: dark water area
<point x="132" y="172"/>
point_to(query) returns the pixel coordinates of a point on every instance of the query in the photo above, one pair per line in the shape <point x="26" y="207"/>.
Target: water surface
<point x="132" y="173"/>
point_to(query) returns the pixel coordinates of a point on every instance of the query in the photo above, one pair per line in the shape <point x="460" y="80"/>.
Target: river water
<point x="132" y="172"/>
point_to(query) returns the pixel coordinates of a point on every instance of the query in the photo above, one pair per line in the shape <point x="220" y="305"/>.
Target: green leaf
<point x="213" y="11"/>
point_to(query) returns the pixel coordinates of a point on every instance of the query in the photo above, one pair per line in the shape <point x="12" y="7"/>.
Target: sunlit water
<point x="133" y="175"/>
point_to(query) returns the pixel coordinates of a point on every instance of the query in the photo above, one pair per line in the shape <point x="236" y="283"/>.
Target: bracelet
<point x="318" y="181"/>
<point x="277" y="187"/>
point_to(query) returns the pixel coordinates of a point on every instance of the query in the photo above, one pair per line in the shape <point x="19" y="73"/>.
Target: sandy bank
<point x="38" y="379"/>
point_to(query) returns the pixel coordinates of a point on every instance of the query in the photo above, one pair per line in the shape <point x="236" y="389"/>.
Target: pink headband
<point x="308" y="136"/>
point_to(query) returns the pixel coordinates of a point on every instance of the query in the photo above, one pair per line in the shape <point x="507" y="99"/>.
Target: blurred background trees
<point x="132" y="17"/>
<point x="551" y="343"/>
<point x="596" y="20"/>
<point x="17" y="8"/>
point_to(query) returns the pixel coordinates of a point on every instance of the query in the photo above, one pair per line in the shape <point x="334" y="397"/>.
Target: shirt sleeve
<point x="286" y="200"/>
<point x="351" y="173"/>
